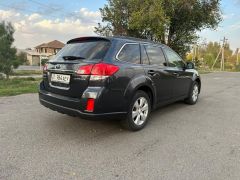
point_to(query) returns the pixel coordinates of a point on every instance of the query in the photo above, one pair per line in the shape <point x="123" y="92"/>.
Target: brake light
<point x="100" y="69"/>
<point x="103" y="69"/>
<point x="85" y="70"/>
<point x="90" y="105"/>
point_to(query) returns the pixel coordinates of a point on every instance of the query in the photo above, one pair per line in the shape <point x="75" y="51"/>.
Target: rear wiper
<point x="72" y="57"/>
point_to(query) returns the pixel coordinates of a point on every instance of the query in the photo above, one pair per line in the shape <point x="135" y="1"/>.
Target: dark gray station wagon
<point x="117" y="77"/>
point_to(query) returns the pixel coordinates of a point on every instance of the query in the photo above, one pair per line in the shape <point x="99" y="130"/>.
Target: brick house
<point x="43" y="51"/>
<point x="51" y="47"/>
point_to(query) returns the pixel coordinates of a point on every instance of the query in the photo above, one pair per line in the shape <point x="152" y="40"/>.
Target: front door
<point x="176" y="66"/>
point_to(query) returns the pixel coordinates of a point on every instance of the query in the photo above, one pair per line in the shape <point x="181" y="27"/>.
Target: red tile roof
<point x="53" y="44"/>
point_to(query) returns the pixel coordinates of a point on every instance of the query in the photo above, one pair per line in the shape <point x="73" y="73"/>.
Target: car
<point x="117" y="77"/>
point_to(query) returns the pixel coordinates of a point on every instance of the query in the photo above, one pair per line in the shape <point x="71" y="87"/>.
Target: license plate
<point x="61" y="78"/>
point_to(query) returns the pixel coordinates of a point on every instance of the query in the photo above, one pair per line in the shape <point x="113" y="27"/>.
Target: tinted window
<point x="173" y="58"/>
<point x="144" y="55"/>
<point x="93" y="50"/>
<point x="130" y="53"/>
<point x="155" y="55"/>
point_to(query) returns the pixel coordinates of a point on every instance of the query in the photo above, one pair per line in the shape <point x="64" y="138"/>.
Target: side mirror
<point x="190" y="65"/>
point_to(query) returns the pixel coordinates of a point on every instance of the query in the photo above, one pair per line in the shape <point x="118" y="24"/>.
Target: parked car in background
<point x="120" y="77"/>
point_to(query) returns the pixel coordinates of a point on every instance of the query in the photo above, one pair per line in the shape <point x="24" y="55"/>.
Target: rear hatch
<point x="60" y="73"/>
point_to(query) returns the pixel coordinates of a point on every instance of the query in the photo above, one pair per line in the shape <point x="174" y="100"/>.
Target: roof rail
<point x="135" y="39"/>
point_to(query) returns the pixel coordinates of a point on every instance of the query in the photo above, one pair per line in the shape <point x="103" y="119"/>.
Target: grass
<point x="18" y="86"/>
<point x="204" y="71"/>
<point x="26" y="72"/>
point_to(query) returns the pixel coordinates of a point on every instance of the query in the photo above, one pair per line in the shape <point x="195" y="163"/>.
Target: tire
<point x="193" y="95"/>
<point x="138" y="112"/>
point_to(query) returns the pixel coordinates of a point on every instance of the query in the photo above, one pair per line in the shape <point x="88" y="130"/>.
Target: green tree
<point x="8" y="57"/>
<point x="172" y="22"/>
<point x="21" y="58"/>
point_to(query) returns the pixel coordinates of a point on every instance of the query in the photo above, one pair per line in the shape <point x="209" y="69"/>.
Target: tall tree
<point x="8" y="57"/>
<point x="172" y="22"/>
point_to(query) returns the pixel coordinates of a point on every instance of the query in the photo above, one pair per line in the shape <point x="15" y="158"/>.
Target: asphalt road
<point x="180" y="141"/>
<point x="28" y="68"/>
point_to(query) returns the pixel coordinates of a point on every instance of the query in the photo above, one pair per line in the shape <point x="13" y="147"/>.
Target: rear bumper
<point x="73" y="106"/>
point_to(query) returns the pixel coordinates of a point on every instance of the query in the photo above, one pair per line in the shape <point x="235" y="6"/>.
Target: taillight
<point x="103" y="69"/>
<point x="85" y="70"/>
<point x="90" y="105"/>
<point x="100" y="69"/>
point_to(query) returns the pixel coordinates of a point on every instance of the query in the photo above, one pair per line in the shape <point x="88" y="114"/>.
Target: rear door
<point x="155" y="67"/>
<point x="62" y="78"/>
<point x="182" y="78"/>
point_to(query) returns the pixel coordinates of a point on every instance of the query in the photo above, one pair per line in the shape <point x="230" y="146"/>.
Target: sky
<point x="41" y="21"/>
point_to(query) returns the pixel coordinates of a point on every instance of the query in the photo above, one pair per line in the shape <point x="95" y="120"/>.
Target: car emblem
<point x="58" y="66"/>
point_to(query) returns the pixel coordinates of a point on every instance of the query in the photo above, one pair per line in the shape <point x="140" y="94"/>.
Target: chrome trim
<point x="61" y="71"/>
<point x="58" y="87"/>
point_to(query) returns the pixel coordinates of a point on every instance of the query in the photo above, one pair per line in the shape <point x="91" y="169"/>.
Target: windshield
<point x="92" y="50"/>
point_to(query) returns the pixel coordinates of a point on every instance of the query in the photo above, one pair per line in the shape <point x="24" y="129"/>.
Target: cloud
<point x="34" y="29"/>
<point x="228" y="16"/>
<point x="235" y="26"/>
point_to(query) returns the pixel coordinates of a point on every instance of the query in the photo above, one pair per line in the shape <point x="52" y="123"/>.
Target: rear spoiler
<point x="90" y="38"/>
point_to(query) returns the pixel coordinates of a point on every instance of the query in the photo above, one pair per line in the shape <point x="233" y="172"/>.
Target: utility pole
<point x="194" y="52"/>
<point x="221" y="51"/>
<point x="237" y="57"/>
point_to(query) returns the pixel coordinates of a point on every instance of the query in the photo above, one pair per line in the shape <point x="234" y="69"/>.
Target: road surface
<point x="180" y="142"/>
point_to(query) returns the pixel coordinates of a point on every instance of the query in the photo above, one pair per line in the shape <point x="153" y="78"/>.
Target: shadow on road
<point x="84" y="130"/>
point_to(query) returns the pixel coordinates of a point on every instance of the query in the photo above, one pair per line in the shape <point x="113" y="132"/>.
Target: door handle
<point x="151" y="72"/>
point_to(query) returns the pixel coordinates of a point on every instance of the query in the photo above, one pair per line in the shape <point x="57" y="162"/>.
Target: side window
<point x="144" y="55"/>
<point x="155" y="55"/>
<point x="173" y="58"/>
<point x="130" y="53"/>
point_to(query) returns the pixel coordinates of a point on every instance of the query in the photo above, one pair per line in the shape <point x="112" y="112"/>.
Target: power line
<point x="44" y="5"/>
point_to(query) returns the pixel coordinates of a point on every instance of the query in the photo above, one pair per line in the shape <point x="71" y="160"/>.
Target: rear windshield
<point x="90" y="50"/>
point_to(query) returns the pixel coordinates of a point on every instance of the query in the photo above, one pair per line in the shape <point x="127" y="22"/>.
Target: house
<point x="43" y="52"/>
<point x="34" y="58"/>
<point x="51" y="47"/>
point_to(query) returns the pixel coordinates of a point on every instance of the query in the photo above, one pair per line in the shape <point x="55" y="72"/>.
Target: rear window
<point x="91" y="50"/>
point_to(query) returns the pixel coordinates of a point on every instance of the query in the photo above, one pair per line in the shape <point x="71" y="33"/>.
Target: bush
<point x="30" y="79"/>
<point x="44" y="61"/>
<point x="238" y="67"/>
<point x="2" y="76"/>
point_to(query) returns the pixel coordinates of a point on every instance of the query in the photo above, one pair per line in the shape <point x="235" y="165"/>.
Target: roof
<point x="53" y="44"/>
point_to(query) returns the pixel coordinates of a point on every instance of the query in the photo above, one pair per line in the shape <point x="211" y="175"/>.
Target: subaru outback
<point x="117" y="77"/>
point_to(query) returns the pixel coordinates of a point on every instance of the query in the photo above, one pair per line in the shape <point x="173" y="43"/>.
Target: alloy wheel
<point x="140" y="111"/>
<point x="195" y="93"/>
